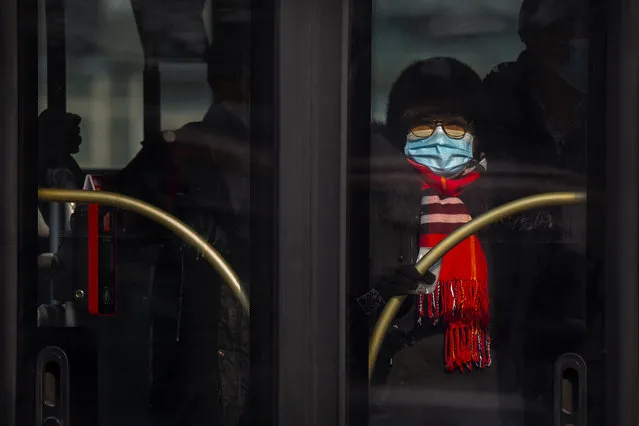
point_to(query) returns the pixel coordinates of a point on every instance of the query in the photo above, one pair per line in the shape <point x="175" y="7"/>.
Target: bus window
<point x="104" y="65"/>
<point x="149" y="101"/>
<point x="486" y="102"/>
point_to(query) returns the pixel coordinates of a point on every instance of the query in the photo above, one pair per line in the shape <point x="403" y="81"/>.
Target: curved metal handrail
<point x="159" y="216"/>
<point x="390" y="310"/>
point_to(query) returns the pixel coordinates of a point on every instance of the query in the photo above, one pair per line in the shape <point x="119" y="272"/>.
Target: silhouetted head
<point x="431" y="89"/>
<point x="556" y="36"/>
<point x="59" y="132"/>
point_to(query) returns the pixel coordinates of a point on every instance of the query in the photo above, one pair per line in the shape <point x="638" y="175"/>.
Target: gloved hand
<point x="400" y="280"/>
<point x="403" y="279"/>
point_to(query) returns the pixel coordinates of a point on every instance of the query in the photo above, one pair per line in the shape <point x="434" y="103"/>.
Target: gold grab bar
<point x="165" y="219"/>
<point x="535" y="201"/>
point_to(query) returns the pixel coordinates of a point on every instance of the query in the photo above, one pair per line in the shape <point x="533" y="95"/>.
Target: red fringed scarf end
<point x="463" y="305"/>
<point x="467" y="346"/>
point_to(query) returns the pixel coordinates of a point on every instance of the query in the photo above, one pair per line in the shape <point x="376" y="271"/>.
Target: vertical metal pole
<point x="152" y="93"/>
<point x="55" y="225"/>
<point x="56" y="55"/>
<point x="56" y="92"/>
<point x="42" y="56"/>
<point x="151" y="83"/>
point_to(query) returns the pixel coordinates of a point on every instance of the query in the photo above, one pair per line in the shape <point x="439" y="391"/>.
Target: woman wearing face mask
<point x="438" y="353"/>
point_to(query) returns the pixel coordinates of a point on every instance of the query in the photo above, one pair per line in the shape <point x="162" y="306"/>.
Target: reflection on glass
<point x="157" y="109"/>
<point x="484" y="103"/>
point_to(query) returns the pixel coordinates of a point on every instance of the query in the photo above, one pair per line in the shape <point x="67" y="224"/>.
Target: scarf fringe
<point x="463" y="305"/>
<point x="467" y="346"/>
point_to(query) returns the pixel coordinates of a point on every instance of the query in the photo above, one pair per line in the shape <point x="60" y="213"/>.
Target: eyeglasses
<point x="455" y="128"/>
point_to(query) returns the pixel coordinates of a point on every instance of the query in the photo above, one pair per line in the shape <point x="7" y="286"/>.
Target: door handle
<point x="570" y="391"/>
<point x="52" y="387"/>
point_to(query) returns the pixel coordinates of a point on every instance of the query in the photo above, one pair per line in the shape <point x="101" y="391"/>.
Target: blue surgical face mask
<point x="442" y="154"/>
<point x="575" y="70"/>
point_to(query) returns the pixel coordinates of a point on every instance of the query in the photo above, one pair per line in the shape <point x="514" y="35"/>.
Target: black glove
<point x="398" y="281"/>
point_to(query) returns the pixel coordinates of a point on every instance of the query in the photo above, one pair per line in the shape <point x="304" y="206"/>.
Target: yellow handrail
<point x="165" y="219"/>
<point x="390" y="310"/>
<point x="231" y="278"/>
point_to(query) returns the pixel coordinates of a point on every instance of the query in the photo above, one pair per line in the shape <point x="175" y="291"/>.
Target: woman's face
<point x="443" y="144"/>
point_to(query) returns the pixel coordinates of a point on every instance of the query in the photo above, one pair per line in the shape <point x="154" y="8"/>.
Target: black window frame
<point x="621" y="191"/>
<point x="308" y="243"/>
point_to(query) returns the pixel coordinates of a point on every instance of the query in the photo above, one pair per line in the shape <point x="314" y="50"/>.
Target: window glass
<point x="104" y="64"/>
<point x="429" y="28"/>
<point x="151" y="102"/>
<point x="476" y="104"/>
<point x="186" y="96"/>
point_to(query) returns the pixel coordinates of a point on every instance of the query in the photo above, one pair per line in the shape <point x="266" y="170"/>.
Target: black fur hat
<point x="443" y="86"/>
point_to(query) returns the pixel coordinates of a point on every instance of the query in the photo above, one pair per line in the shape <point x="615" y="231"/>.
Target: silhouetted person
<point x="536" y="106"/>
<point x="533" y="129"/>
<point x="58" y="138"/>
<point x="200" y="334"/>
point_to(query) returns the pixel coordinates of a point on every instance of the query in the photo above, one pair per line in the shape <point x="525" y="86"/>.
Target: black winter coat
<point x="411" y="386"/>
<point x="200" y="333"/>
<point x="537" y="274"/>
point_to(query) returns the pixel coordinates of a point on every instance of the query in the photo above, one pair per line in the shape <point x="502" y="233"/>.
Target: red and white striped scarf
<point x="460" y="297"/>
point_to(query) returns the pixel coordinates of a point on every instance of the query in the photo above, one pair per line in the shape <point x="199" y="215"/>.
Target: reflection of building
<point x="111" y="104"/>
<point x="104" y="68"/>
<point x="480" y="33"/>
<point x="105" y="61"/>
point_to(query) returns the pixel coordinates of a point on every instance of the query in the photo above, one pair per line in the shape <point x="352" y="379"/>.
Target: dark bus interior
<point x="267" y="128"/>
